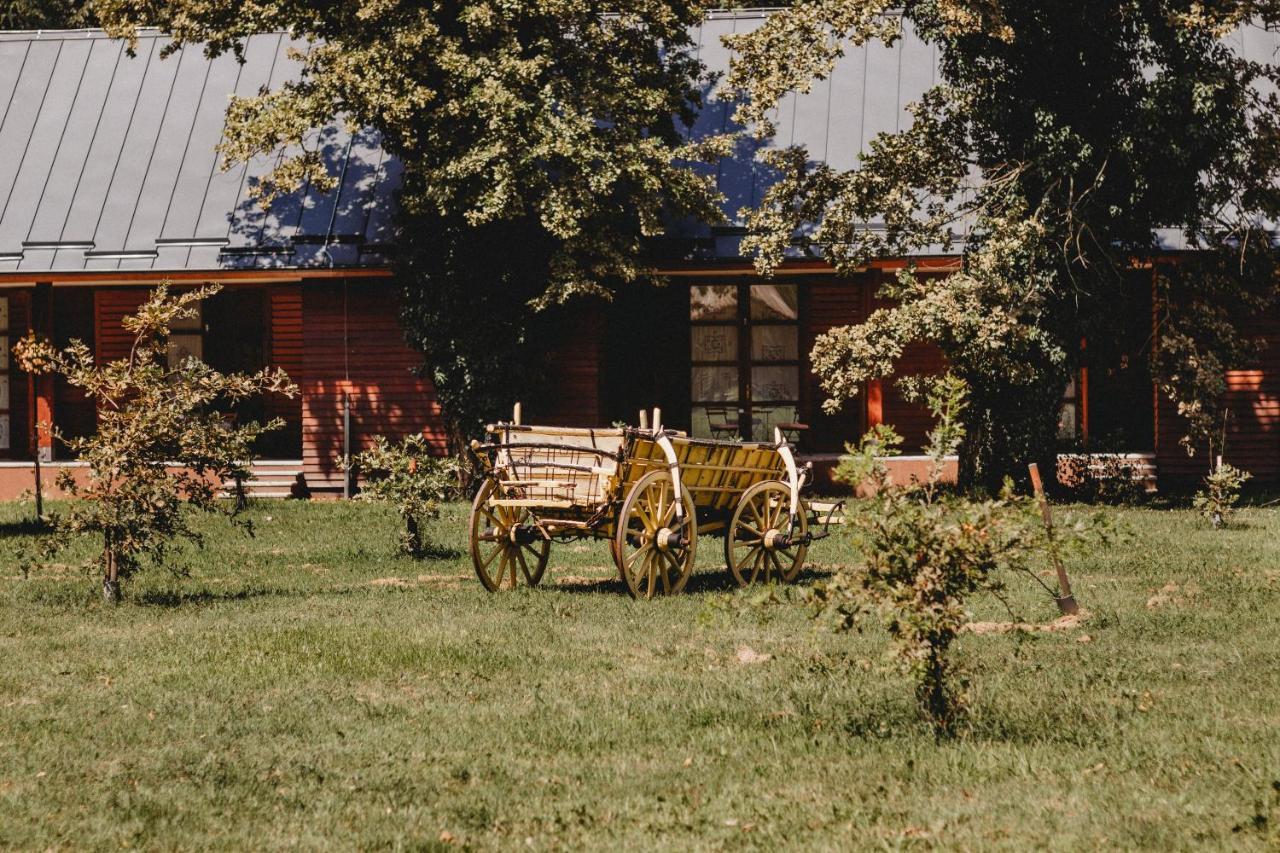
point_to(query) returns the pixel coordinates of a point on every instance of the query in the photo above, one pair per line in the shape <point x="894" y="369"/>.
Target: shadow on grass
<point x="24" y="527"/>
<point x="704" y="581"/>
<point x="197" y="598"/>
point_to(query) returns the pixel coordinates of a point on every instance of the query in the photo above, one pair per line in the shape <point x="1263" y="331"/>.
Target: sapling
<point x="1217" y="500"/>
<point x="163" y="446"/>
<point x="925" y="551"/>
<point x="408" y="475"/>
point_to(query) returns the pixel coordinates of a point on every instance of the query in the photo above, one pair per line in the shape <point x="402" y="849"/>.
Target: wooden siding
<point x="1253" y="427"/>
<point x="352" y="345"/>
<point x="827" y="305"/>
<point x="573" y="363"/>
<point x="286" y="351"/>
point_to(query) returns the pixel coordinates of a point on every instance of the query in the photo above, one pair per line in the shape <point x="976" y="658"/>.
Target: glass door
<point x="745" y="357"/>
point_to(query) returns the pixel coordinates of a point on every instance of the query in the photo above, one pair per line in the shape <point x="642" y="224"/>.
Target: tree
<point x="409" y="475"/>
<point x="1060" y="140"/>
<point x="46" y="14"/>
<point x="163" y="446"/>
<point x="541" y="140"/>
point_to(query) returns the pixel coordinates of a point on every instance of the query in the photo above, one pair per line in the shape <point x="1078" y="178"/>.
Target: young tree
<point x="544" y="134"/>
<point x="164" y="445"/>
<point x="409" y="475"/>
<point x="1061" y="140"/>
<point x="926" y="552"/>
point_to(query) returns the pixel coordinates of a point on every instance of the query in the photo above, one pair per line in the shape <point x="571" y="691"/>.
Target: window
<point x="745" y="356"/>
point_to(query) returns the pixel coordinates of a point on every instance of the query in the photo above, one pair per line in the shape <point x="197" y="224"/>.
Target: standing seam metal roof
<point x="108" y="162"/>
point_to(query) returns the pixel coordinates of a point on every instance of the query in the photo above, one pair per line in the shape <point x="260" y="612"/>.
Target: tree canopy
<point x="1060" y="140"/>
<point x="541" y="141"/>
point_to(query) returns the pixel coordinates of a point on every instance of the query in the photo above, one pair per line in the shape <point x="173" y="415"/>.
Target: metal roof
<point x="107" y="162"/>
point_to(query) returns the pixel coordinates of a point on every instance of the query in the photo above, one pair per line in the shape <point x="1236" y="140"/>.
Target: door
<point x="745" y="359"/>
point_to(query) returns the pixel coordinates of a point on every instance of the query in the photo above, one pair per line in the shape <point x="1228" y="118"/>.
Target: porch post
<point x="42" y="411"/>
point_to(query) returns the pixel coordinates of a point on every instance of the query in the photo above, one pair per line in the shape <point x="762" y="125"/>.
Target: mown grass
<point x="308" y="688"/>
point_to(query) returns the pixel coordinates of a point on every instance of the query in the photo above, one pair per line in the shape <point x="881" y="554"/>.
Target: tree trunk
<point x="111" y="580"/>
<point x="1007" y="428"/>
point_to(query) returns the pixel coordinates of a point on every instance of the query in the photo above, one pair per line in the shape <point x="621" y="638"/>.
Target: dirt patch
<point x="438" y="581"/>
<point x="746" y="655"/>
<point x="1063" y="623"/>
<point x="1170" y="595"/>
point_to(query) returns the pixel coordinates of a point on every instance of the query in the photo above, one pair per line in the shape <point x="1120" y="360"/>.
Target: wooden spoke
<point x="760" y="523"/>
<point x="500" y="547"/>
<point x="645" y="527"/>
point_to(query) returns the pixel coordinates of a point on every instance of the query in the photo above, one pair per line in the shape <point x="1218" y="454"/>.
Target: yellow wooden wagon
<point x="650" y="492"/>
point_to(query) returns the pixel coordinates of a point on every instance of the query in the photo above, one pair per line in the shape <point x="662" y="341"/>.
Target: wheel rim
<point x="495" y="552"/>
<point x="655" y="550"/>
<point x="760" y="545"/>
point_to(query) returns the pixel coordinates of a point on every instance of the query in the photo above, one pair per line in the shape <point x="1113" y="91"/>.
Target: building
<point x="109" y="183"/>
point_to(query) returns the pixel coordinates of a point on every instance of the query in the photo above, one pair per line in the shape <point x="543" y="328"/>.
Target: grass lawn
<point x="308" y="688"/>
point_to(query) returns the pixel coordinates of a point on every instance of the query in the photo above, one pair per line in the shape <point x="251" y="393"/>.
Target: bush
<point x="163" y="444"/>
<point x="925" y="551"/>
<point x="1217" y="500"/>
<point x="409" y="476"/>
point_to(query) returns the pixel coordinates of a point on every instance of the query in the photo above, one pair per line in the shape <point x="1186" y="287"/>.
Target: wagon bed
<point x="544" y="484"/>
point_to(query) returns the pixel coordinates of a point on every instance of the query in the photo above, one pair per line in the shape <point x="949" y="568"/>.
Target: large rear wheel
<point x="654" y="548"/>
<point x="502" y="542"/>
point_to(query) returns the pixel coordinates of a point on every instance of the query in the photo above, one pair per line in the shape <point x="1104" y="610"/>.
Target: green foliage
<point x="1216" y="502"/>
<point x="541" y="143"/>
<point x="163" y="445"/>
<point x="1061" y="138"/>
<point x="924" y="552"/>
<point x="46" y="14"/>
<point x="556" y="114"/>
<point x="407" y="475"/>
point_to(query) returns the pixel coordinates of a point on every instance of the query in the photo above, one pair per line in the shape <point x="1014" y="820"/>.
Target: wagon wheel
<point x="760" y="542"/>
<point x="501" y="542"/>
<point x="654" y="550"/>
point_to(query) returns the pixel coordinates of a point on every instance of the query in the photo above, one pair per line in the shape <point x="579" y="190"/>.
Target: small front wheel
<point x="653" y="546"/>
<point x="761" y="541"/>
<point x="501" y="541"/>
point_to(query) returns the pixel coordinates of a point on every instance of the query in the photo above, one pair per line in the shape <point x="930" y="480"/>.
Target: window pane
<point x="184" y="344"/>
<point x="774" y="302"/>
<point x="775" y="343"/>
<point x="765" y="418"/>
<point x="715" y="383"/>
<point x="713" y="302"/>
<point x="715" y="343"/>
<point x="775" y="383"/>
<point x="1067" y="422"/>
<point x="4" y="432"/>
<point x="4" y="312"/>
<point x="4" y="392"/>
<point x="4" y="352"/>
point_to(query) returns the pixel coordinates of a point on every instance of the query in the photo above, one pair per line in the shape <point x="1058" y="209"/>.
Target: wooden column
<point x="42" y="387"/>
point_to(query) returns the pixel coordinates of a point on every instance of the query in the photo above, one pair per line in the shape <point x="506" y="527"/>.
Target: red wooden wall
<point x="573" y="363"/>
<point x="830" y="303"/>
<point x="1253" y="426"/>
<point x="285" y="351"/>
<point x="352" y="345"/>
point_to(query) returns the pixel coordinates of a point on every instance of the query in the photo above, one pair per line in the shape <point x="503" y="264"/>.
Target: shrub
<point x="925" y="551"/>
<point x="409" y="476"/>
<point x="163" y="445"/>
<point x="1217" y="500"/>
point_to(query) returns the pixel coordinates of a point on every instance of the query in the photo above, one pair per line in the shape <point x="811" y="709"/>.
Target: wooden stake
<point x="1066" y="601"/>
<point x="644" y="419"/>
<point x="515" y="415"/>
